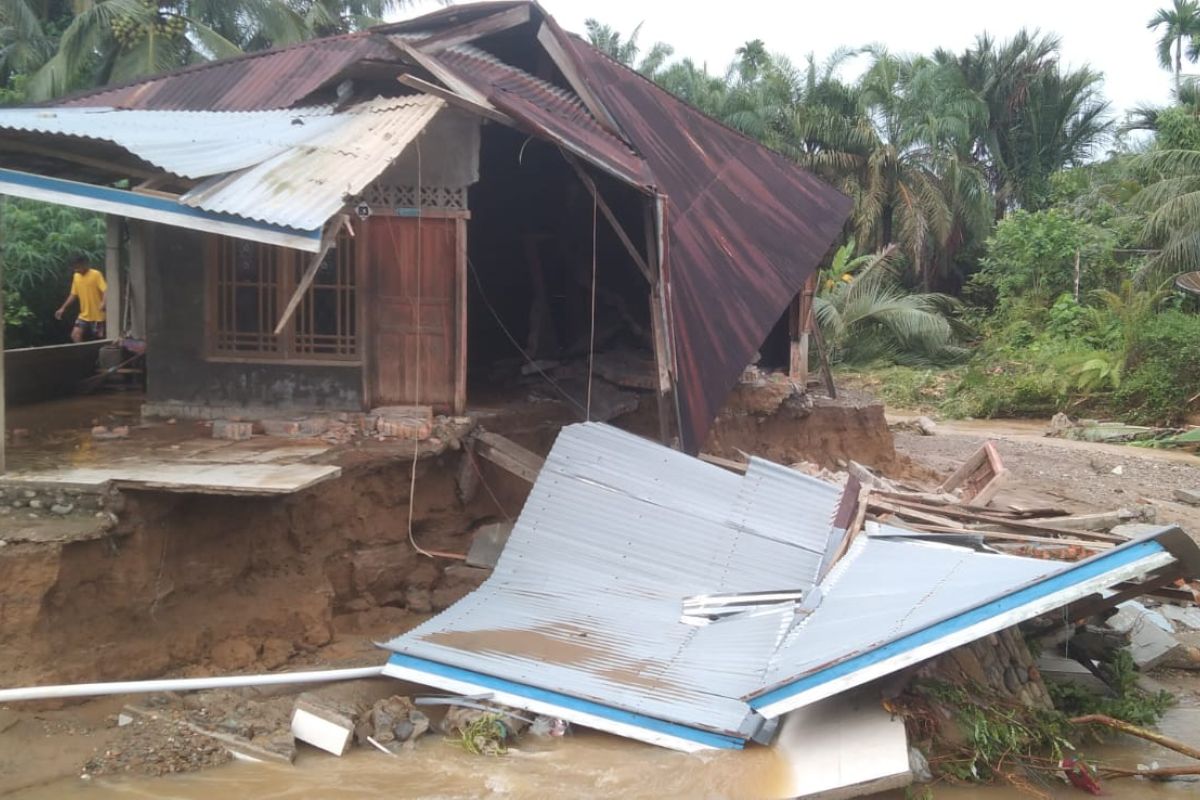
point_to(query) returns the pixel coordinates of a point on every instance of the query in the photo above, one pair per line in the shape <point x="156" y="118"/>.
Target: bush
<point x="1163" y="370"/>
<point x="1031" y="256"/>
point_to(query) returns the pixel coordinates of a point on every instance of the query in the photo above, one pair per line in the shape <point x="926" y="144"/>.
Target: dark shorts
<point x="92" y="330"/>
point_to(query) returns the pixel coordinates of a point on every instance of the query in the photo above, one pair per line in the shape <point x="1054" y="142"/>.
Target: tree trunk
<point x="1178" y="64"/>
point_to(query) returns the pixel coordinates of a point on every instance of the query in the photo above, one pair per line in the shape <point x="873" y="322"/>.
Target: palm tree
<point x="871" y="317"/>
<point x="117" y="40"/>
<point x="1172" y="206"/>
<point x="1179" y="22"/>
<point x="626" y="49"/>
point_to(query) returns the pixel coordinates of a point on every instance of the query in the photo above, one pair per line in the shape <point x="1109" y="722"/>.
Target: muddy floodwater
<point x="583" y="765"/>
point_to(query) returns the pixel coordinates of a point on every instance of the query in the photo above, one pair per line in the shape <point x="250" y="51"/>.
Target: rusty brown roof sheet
<point x="549" y="110"/>
<point x="269" y="79"/>
<point x="745" y="228"/>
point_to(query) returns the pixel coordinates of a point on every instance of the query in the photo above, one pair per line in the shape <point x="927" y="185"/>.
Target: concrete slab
<point x="1150" y="644"/>
<point x="488" y="543"/>
<point x="187" y="478"/>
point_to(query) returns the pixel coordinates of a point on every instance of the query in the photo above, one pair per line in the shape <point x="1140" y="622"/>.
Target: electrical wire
<point x="513" y="340"/>
<point x="412" y="482"/>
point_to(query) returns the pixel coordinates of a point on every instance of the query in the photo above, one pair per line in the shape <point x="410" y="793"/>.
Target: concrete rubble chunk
<point x="232" y="430"/>
<point x="1187" y="619"/>
<point x="1189" y="496"/>
<point x="1059" y="670"/>
<point x="1150" y="645"/>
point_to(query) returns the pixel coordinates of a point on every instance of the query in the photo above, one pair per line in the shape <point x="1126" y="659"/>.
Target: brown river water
<point x="583" y="765"/>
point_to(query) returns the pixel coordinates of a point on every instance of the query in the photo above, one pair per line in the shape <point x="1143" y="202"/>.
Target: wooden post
<point x="112" y="275"/>
<point x="137" y="278"/>
<point x="800" y="322"/>
<point x="659" y="330"/>
<point x="460" y="318"/>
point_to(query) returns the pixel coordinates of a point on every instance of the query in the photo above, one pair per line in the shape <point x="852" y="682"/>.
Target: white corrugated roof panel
<point x="304" y="185"/>
<point x="582" y="616"/>
<point x="191" y="144"/>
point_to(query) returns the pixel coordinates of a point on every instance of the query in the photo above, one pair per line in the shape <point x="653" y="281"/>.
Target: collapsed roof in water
<point x="736" y="228"/>
<point x="655" y="596"/>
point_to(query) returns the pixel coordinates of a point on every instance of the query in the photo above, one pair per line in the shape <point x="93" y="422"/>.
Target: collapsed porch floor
<point x="53" y="446"/>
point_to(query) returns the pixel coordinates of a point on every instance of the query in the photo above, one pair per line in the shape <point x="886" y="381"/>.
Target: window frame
<point x="290" y="266"/>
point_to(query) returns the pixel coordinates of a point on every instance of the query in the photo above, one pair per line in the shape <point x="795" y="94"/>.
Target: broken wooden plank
<point x="1013" y="537"/>
<point x="725" y="463"/>
<point x="979" y="477"/>
<point x="508" y="455"/>
<point x="484" y="26"/>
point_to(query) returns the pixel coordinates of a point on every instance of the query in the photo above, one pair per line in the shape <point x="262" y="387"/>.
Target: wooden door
<point x="415" y="310"/>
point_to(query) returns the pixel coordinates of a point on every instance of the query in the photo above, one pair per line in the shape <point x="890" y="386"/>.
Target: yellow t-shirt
<point x="90" y="288"/>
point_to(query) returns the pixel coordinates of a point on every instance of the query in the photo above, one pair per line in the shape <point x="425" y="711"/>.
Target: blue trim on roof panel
<point x="149" y="202"/>
<point x="566" y="701"/>
<point x="1084" y="571"/>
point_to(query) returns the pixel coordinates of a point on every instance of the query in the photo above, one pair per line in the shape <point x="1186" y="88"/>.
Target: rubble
<point x="393" y="723"/>
<point x="1150" y="645"/>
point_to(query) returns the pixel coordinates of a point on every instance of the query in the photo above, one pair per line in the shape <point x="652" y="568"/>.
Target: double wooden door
<point x="417" y="314"/>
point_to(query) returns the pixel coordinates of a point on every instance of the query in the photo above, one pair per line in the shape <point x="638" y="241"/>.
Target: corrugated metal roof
<point x="276" y="78"/>
<point x="305" y="185"/>
<point x="191" y="144"/>
<point x="586" y="598"/>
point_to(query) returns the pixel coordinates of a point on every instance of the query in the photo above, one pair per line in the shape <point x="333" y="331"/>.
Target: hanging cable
<point x="517" y="345"/>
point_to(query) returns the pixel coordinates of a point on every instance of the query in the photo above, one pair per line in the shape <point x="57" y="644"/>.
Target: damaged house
<point x="376" y="219"/>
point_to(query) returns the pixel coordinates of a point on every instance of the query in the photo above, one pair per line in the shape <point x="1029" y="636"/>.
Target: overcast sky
<point x="1111" y="36"/>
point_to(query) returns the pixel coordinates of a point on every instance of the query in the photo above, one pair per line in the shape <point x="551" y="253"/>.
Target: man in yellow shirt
<point x="88" y="287"/>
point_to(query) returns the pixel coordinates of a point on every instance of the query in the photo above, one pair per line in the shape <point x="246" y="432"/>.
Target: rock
<point x="418" y="601"/>
<point x="925" y="426"/>
<point x="37" y="504"/>
<point x="394" y="723"/>
<point x="1060" y="422"/>
<point x="62" y="510"/>
<point x="1119" y="469"/>
<point x="1189" y="496"/>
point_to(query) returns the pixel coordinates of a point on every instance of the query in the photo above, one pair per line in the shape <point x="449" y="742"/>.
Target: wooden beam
<point x="610" y="216"/>
<point x="566" y="65"/>
<point x="488" y="111"/>
<point x="485" y="26"/>
<point x="87" y="161"/>
<point x="823" y="354"/>
<point x="460" y="318"/>
<point x="434" y="68"/>
<point x="800" y="322"/>
<point x="327" y="243"/>
<point x="509" y="456"/>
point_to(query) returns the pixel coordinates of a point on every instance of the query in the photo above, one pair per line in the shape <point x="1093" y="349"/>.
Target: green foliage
<point x="39" y="240"/>
<point x="1031" y="255"/>
<point x="1178" y="129"/>
<point x="998" y="735"/>
<point x="1163" y="370"/>
<point x="483" y="736"/>
<point x="872" y="317"/>
<point x="1128" y="702"/>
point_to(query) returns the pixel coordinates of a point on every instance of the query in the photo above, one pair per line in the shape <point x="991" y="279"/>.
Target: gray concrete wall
<point x="177" y="370"/>
<point x="33" y="374"/>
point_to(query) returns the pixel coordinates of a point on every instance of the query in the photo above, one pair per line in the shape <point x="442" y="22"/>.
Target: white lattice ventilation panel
<point x="383" y="196"/>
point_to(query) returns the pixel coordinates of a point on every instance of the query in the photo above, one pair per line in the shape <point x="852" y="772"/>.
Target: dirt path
<point x="1077" y="475"/>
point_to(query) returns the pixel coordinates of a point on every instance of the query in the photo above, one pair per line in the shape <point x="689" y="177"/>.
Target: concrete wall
<point x="33" y="374"/>
<point x="177" y="371"/>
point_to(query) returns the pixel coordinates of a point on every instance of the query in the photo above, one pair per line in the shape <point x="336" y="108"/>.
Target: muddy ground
<point x="210" y="586"/>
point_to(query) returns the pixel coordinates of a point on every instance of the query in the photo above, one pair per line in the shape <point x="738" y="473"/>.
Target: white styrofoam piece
<point x="321" y="733"/>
